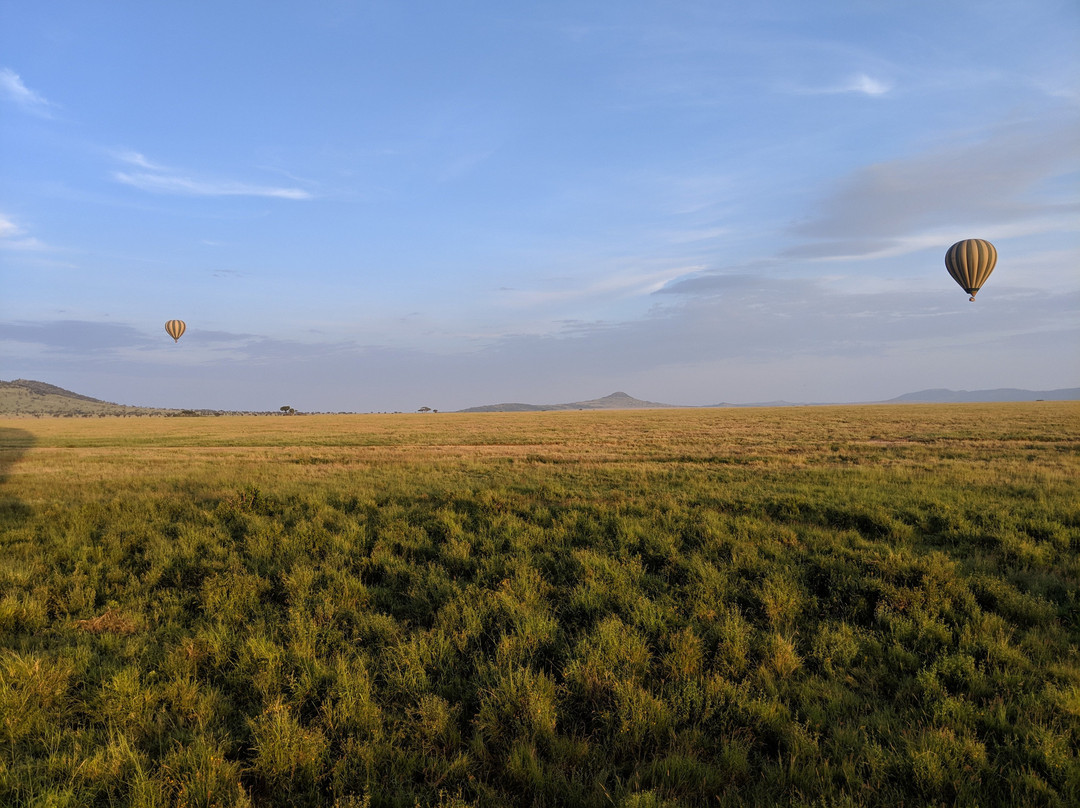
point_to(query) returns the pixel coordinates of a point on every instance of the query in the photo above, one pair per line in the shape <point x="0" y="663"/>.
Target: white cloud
<point x="8" y="228"/>
<point x="12" y="88"/>
<point x="160" y="179"/>
<point x="13" y="237"/>
<point x="858" y="83"/>
<point x="137" y="159"/>
<point x="867" y="85"/>
<point x="172" y="184"/>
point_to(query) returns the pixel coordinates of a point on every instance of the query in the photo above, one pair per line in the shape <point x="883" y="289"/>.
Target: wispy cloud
<point x="615" y="285"/>
<point x="1010" y="183"/>
<point x="747" y="338"/>
<point x="8" y="228"/>
<point x="156" y="178"/>
<point x="13" y="237"/>
<point x="867" y="85"/>
<point x="993" y="182"/>
<point x="139" y="160"/>
<point x="859" y="83"/>
<point x="13" y="89"/>
<point x="77" y="337"/>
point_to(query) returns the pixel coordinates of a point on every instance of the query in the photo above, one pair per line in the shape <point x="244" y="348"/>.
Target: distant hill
<point x="45" y="389"/>
<point x="616" y="401"/>
<point x="623" y="401"/>
<point x="26" y="397"/>
<point x="942" y="396"/>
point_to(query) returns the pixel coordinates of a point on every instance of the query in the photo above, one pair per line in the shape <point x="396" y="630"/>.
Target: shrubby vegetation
<point x="821" y="606"/>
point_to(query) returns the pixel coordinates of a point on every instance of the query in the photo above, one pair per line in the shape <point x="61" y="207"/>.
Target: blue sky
<point x="386" y="205"/>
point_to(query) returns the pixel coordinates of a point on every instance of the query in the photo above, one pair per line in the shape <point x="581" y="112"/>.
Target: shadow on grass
<point x="13" y="445"/>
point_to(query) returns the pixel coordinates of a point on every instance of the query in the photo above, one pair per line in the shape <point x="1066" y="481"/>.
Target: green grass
<point x="817" y="606"/>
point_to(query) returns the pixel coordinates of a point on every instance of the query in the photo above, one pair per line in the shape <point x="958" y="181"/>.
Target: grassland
<point x="817" y="606"/>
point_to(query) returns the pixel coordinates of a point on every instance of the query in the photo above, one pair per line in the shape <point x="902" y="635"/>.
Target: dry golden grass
<point x="870" y="605"/>
<point x="571" y="435"/>
<point x="112" y="621"/>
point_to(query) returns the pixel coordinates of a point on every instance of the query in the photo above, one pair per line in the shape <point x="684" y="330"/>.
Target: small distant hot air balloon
<point x="970" y="263"/>
<point x="175" y="329"/>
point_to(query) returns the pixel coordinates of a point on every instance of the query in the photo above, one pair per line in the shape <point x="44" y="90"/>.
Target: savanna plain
<point x="822" y="606"/>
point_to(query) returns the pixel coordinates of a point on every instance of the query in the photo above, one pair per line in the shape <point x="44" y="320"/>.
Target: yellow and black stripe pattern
<point x="970" y="263"/>
<point x="175" y="329"/>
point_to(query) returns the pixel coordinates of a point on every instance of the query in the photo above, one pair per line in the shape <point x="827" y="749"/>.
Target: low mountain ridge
<point x="1004" y="394"/>
<point x="616" y="401"/>
<point x="623" y="401"/>
<point x="28" y="397"/>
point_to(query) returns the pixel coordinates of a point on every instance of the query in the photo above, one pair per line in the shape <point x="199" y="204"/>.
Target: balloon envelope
<point x="970" y="263"/>
<point x="175" y="329"/>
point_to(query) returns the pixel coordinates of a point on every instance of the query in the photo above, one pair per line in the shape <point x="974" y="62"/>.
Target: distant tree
<point x="287" y="410"/>
<point x="424" y="409"/>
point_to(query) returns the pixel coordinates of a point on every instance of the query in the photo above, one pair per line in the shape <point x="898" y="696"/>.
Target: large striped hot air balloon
<point x="175" y="329"/>
<point x="970" y="263"/>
